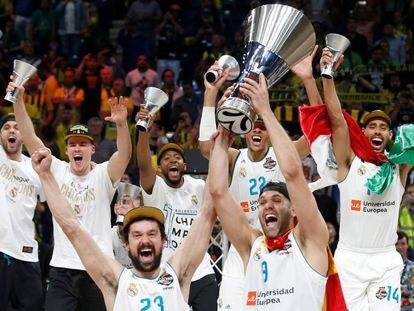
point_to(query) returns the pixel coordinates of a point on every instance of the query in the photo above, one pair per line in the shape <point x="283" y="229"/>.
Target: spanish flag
<point x="334" y="298"/>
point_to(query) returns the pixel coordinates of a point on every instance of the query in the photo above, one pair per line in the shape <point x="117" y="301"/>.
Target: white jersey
<point x="368" y="221"/>
<point x="180" y="207"/>
<point x="21" y="186"/>
<point x="249" y="177"/>
<point x="137" y="293"/>
<point x="90" y="196"/>
<point x="282" y="279"/>
<point x="120" y="253"/>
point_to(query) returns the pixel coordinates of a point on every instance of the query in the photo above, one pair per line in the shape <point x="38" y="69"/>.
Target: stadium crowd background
<point x="83" y="62"/>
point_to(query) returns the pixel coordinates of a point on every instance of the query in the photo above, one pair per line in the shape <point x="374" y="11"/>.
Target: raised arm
<point x="120" y="159"/>
<point x="104" y="270"/>
<point x="30" y="140"/>
<point x="147" y="172"/>
<point x="191" y="252"/>
<point x="311" y="230"/>
<point x="232" y="219"/>
<point x="340" y="133"/>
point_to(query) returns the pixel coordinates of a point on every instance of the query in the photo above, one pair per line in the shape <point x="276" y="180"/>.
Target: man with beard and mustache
<point x="250" y="169"/>
<point x="19" y="262"/>
<point x="149" y="285"/>
<point x="285" y="266"/>
<point x="180" y="197"/>
<point x="368" y="264"/>
<point x="90" y="191"/>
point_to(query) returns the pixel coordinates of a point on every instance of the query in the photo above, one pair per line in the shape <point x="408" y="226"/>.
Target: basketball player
<point x="180" y="197"/>
<point x="21" y="284"/>
<point x="250" y="169"/>
<point x="286" y="266"/>
<point x="148" y="285"/>
<point x="89" y="192"/>
<point x="368" y="264"/>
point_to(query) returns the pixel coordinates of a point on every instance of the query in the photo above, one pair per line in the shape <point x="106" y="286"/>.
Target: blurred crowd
<point x="88" y="51"/>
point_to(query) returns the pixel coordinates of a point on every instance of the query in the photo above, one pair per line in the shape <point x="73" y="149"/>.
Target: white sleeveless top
<point x="282" y="279"/>
<point x="162" y="293"/>
<point x="368" y="221"/>
<point x="249" y="177"/>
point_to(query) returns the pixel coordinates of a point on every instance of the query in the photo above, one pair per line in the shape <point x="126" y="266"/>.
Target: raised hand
<point x="226" y="95"/>
<point x="41" y="160"/>
<point x="303" y="69"/>
<point x="327" y="58"/>
<point x="119" y="112"/>
<point x="257" y="92"/>
<point x="11" y="86"/>
<point x="144" y="114"/>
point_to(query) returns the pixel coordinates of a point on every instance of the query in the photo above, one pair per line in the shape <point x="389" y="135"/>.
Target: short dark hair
<point x="125" y="230"/>
<point x="276" y="186"/>
<point x="402" y="235"/>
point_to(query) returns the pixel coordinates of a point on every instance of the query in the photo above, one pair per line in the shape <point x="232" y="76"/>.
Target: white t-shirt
<point x="282" y="279"/>
<point x="120" y="253"/>
<point x="180" y="207"/>
<point x="90" y="196"/>
<point x="161" y="293"/>
<point x="368" y="221"/>
<point x="21" y="186"/>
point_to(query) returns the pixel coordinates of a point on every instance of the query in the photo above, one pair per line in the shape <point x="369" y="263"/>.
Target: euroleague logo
<point x="235" y="121"/>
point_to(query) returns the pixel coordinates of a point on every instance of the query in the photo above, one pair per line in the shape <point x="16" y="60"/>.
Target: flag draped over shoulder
<point x="316" y="127"/>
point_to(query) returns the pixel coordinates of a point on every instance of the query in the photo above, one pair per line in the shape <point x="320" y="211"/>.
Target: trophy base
<point x="11" y="96"/>
<point x="236" y="115"/>
<point x="327" y="72"/>
<point x="142" y="126"/>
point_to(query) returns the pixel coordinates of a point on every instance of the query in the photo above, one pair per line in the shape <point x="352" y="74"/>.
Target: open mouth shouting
<point x="256" y="139"/>
<point x="12" y="141"/>
<point x="78" y="159"/>
<point x="377" y="143"/>
<point x="174" y="172"/>
<point x="146" y="254"/>
<point x="271" y="221"/>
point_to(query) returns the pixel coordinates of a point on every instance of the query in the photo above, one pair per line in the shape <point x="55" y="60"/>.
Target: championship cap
<point x="167" y="147"/>
<point x="7" y="117"/>
<point x="78" y="130"/>
<point x="377" y="114"/>
<point x="143" y="212"/>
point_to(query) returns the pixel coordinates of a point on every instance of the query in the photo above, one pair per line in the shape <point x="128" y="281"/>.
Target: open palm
<point x="119" y="112"/>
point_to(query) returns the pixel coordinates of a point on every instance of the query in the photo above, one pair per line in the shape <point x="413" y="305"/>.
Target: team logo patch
<point x="356" y="205"/>
<point x="13" y="192"/>
<point x="132" y="290"/>
<point x="242" y="172"/>
<point x="165" y="279"/>
<point x="194" y="199"/>
<point x="381" y="293"/>
<point x="257" y="255"/>
<point x="77" y="209"/>
<point x="269" y="163"/>
<point x="361" y="170"/>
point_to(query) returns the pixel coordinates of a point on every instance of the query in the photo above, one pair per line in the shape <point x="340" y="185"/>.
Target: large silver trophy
<point x="276" y="37"/>
<point x="126" y="191"/>
<point x="154" y="100"/>
<point x="21" y="73"/>
<point x="337" y="44"/>
<point x="225" y="62"/>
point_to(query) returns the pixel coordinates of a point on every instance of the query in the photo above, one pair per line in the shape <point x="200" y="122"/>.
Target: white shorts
<point x="370" y="281"/>
<point x="231" y="296"/>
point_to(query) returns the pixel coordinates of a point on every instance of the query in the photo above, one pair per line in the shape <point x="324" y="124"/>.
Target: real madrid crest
<point x="194" y="199"/>
<point x="77" y="209"/>
<point x="13" y="192"/>
<point x="256" y="255"/>
<point x="132" y="290"/>
<point x="361" y="170"/>
<point x="242" y="172"/>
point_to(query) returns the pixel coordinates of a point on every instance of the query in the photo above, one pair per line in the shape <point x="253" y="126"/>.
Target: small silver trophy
<point x="277" y="37"/>
<point x="337" y="44"/>
<point x="21" y="73"/>
<point x="154" y="100"/>
<point x="225" y="62"/>
<point x="126" y="191"/>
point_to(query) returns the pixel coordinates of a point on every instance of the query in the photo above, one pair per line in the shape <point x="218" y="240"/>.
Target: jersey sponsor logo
<point x="165" y="279"/>
<point x="371" y="207"/>
<point x="356" y="205"/>
<point x="251" y="298"/>
<point x="269" y="163"/>
<point x="132" y="290"/>
<point x="381" y="293"/>
<point x="245" y="206"/>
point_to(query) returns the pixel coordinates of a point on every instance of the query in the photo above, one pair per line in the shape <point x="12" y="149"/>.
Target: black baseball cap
<point x="7" y="117"/>
<point x="276" y="186"/>
<point x="78" y="130"/>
